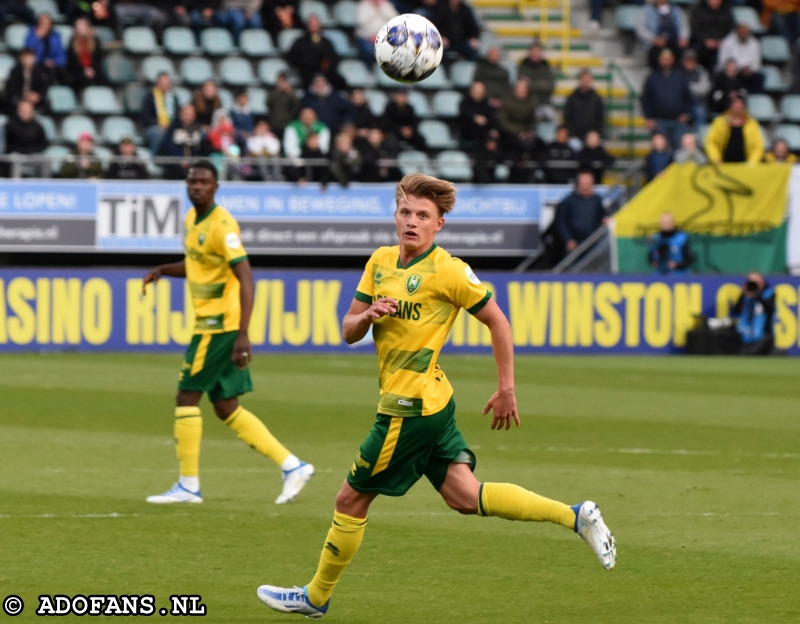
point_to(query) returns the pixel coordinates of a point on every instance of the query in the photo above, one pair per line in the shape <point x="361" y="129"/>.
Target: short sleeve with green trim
<point x="365" y="289"/>
<point x="464" y="289"/>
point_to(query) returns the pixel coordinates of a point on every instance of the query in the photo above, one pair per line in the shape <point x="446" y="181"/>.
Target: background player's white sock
<point x="190" y="483"/>
<point x="290" y="463"/>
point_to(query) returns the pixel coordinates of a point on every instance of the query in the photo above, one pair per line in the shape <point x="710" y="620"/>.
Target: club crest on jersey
<point x="201" y="238"/>
<point x="413" y="282"/>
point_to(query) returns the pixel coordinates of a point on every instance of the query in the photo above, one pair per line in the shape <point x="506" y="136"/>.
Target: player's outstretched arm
<point x="242" y="349"/>
<point x="172" y="270"/>
<point x="503" y="402"/>
<point x="361" y="315"/>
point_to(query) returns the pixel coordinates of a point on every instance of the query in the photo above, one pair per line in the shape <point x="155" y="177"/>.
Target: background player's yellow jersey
<point x="213" y="245"/>
<point x="429" y="291"/>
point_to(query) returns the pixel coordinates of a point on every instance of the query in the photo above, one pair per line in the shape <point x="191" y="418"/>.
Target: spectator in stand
<point x="780" y="153"/>
<point x="331" y="107"/>
<point x="18" y="9"/>
<point x="783" y="17"/>
<point x="662" y="26"/>
<point x="734" y="136"/>
<point x="518" y="119"/>
<point x="670" y="251"/>
<point x="487" y="158"/>
<point x="313" y="53"/>
<point x="493" y="75"/>
<point x="159" y="111"/>
<point x="459" y="28"/>
<point x="283" y="104"/>
<point x="24" y="134"/>
<point x="594" y="157"/>
<point x="236" y="15"/>
<point x="580" y="213"/>
<point x="400" y="122"/>
<point x="296" y="133"/>
<point x="795" y="67"/>
<point x="667" y="99"/>
<point x="151" y="13"/>
<point x="699" y="85"/>
<point x="222" y="136"/>
<point x="346" y="161"/>
<point x="201" y="14"/>
<point x="206" y="102"/>
<point x="85" y="58"/>
<point x="559" y="159"/>
<point x="241" y="115"/>
<point x="46" y="44"/>
<point x="725" y="82"/>
<point x="659" y="158"/>
<point x="28" y="81"/>
<point x="536" y="70"/>
<point x="584" y="110"/>
<point x="264" y="144"/>
<point x="83" y="162"/>
<point x="477" y="118"/>
<point x="310" y="172"/>
<point x="375" y="150"/>
<point x="689" y="152"/>
<point x="278" y="15"/>
<point x="754" y="313"/>
<point x="745" y="49"/>
<point x="98" y="12"/>
<point x="128" y="166"/>
<point x="712" y="21"/>
<point x="184" y="138"/>
<point x="371" y="15"/>
<point x="363" y="119"/>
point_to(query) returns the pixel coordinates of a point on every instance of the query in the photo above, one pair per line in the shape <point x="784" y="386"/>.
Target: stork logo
<point x="413" y="282"/>
<point x="140" y="221"/>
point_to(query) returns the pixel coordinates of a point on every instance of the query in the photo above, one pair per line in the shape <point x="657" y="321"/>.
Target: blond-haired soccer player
<point x="410" y="295"/>
<point x="221" y="285"/>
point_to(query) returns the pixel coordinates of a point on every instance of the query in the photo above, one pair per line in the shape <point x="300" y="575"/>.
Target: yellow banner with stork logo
<point x="735" y="216"/>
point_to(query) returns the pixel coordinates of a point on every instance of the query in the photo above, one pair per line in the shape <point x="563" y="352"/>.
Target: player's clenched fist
<point x="381" y="307"/>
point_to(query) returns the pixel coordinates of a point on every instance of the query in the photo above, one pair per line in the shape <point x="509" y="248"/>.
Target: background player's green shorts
<point x="398" y="451"/>
<point x="208" y="367"/>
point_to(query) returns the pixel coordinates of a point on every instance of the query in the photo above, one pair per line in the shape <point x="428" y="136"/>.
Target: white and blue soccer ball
<point x="408" y="48"/>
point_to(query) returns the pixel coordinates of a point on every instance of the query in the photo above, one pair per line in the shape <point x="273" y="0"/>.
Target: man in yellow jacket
<point x="734" y="136"/>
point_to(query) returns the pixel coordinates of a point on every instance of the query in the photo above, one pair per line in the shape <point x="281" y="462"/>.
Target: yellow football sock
<point x="512" y="502"/>
<point x="255" y="433"/>
<point x="341" y="545"/>
<point x="188" y="433"/>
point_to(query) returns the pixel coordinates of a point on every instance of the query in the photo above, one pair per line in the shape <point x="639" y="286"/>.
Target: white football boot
<point x="178" y="494"/>
<point x="294" y="600"/>
<point x="590" y="526"/>
<point x="294" y="481"/>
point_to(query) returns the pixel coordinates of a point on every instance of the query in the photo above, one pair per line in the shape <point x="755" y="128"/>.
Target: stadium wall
<point x="301" y="311"/>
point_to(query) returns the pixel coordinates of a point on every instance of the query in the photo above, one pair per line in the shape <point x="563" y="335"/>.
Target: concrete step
<point x="531" y="29"/>
<point x="622" y="121"/>
<point x="621" y="149"/>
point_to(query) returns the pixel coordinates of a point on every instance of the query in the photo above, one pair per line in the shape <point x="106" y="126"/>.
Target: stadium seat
<point x="62" y="99"/>
<point x="790" y="107"/>
<point x="119" y="69"/>
<point x="217" y="41"/>
<point x="287" y="37"/>
<point x="132" y="97"/>
<point x="773" y="80"/>
<point x="152" y="66"/>
<point x="488" y="40"/>
<point x="225" y="98"/>
<point x="196" y="70"/>
<point x="437" y="80"/>
<point x="789" y="133"/>
<point x="46" y="6"/>
<point x="627" y="16"/>
<point x="6" y="65"/>
<point x="511" y="68"/>
<point x="355" y="73"/>
<point x="116" y="127"/>
<point x="546" y="131"/>
<point x="49" y="127"/>
<point x="269" y="68"/>
<point x="377" y="101"/>
<point x="447" y="103"/>
<point x="180" y="41"/>
<point x="747" y="15"/>
<point x="147" y="156"/>
<point x="258" y="100"/>
<point x="414" y="162"/>
<point x="454" y="165"/>
<point x="237" y="71"/>
<point x="436" y="134"/>
<point x="57" y="153"/>
<point x="104" y="154"/>
<point x="702" y="133"/>
<point x="15" y="37"/>
<point x="502" y="172"/>
<point x="308" y="8"/>
<point x="340" y="42"/>
<point x="184" y="95"/>
<point x="461" y="73"/>
<point x="105" y="34"/>
<point x="774" y="49"/>
<point x="419" y="102"/>
<point x="762" y="108"/>
<point x="74" y="125"/>
<point x="101" y="101"/>
<point x="256" y="42"/>
<point x="65" y="32"/>
<point x="139" y="40"/>
<point x="344" y="13"/>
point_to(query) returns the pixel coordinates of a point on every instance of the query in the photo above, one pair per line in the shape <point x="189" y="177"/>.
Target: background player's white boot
<point x="178" y="494"/>
<point x="590" y="526"/>
<point x="294" y="481"/>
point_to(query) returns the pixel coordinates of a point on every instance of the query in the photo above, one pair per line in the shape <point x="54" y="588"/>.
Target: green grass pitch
<point x="695" y="463"/>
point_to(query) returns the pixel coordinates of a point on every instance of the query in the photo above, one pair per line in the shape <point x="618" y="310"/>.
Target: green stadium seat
<point x="258" y="100"/>
<point x="184" y="95"/>
<point x="345" y="13"/>
<point x="119" y="69"/>
<point x="461" y="74"/>
<point x="132" y="98"/>
<point x="419" y="102"/>
<point x="139" y="40"/>
<point x="789" y="133"/>
<point x="340" y="42"/>
<point x="256" y="42"/>
<point x="75" y="125"/>
<point x="308" y="8"/>
<point x="62" y="99"/>
<point x="377" y="101"/>
<point x="627" y="16"/>
<point x="773" y="80"/>
<point x="355" y="73"/>
<point x="237" y="71"/>
<point x="152" y="66"/>
<point x="747" y="15"/>
<point x="436" y="134"/>
<point x="454" y="165"/>
<point x="196" y="70"/>
<point x="287" y="37"/>
<point x="15" y="36"/>
<point x="6" y="65"/>
<point x="774" y="49"/>
<point x="100" y="100"/>
<point x="217" y="41"/>
<point x="790" y="107"/>
<point x="49" y="127"/>
<point x="762" y="108"/>
<point x="269" y="68"/>
<point x="116" y="127"/>
<point x="447" y="103"/>
<point x="180" y="41"/>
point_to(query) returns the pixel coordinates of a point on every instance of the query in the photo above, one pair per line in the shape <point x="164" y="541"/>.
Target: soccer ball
<point x="408" y="48"/>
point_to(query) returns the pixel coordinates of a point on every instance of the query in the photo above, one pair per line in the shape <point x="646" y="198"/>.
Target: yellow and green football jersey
<point x="213" y="246"/>
<point x="429" y="291"/>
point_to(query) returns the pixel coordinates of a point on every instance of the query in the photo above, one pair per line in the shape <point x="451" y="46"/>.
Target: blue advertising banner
<point x="90" y="310"/>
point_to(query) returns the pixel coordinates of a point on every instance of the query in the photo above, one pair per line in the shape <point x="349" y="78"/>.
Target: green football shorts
<point x="398" y="451"/>
<point x="208" y="367"/>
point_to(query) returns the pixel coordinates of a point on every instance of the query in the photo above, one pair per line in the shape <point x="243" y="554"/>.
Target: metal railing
<point x="629" y="105"/>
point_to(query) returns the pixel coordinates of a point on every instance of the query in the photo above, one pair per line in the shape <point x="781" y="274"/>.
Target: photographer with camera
<point x="670" y="251"/>
<point x="754" y="312"/>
